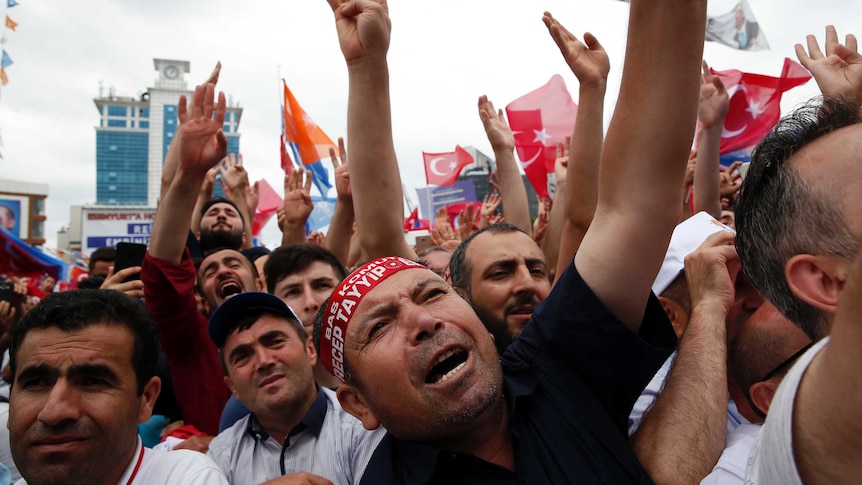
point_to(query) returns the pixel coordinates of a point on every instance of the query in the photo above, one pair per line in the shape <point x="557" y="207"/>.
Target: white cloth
<point x="654" y="388"/>
<point x="160" y="468"/>
<point x="340" y="452"/>
<point x="730" y="469"/>
<point x="771" y="459"/>
<point x="5" y="446"/>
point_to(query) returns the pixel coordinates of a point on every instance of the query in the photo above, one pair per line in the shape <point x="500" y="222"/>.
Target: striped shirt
<point x="327" y="441"/>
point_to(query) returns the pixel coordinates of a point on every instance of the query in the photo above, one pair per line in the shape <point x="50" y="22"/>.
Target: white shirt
<point x="654" y="388"/>
<point x="159" y="468"/>
<point x="328" y="442"/>
<point x="771" y="459"/>
<point x="730" y="469"/>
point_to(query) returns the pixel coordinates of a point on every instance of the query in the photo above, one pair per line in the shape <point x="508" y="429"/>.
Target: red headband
<point x="344" y="301"/>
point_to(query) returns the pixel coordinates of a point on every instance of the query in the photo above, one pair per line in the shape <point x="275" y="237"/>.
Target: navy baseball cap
<point x="224" y="318"/>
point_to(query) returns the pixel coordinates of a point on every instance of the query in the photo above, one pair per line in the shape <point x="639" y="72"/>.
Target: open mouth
<point x="229" y="288"/>
<point x="446" y="366"/>
<point x="523" y="310"/>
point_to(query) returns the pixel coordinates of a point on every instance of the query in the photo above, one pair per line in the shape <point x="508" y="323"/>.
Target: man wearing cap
<point x="416" y="358"/>
<point x="295" y="426"/>
<point x="708" y="300"/>
<point x="169" y="274"/>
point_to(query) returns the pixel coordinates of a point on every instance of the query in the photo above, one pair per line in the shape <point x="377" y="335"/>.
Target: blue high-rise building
<point x="133" y="136"/>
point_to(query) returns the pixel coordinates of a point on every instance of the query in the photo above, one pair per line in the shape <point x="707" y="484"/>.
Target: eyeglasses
<point x="782" y="367"/>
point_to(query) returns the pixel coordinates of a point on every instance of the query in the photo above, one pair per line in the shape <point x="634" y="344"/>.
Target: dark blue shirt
<point x="571" y="379"/>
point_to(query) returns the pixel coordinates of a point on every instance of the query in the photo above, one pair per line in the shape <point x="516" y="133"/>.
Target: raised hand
<point x="341" y="173"/>
<point x="714" y="102"/>
<point x="297" y="197"/>
<point x="731" y="180"/>
<point x="116" y="281"/>
<point x="363" y="28"/>
<point x="489" y="206"/>
<point x="587" y="60"/>
<point x="234" y="178"/>
<point x="466" y="221"/>
<point x="540" y="225"/>
<point x="201" y="139"/>
<point x="839" y="72"/>
<point x="561" y="162"/>
<point x="252" y="198"/>
<point x="499" y="134"/>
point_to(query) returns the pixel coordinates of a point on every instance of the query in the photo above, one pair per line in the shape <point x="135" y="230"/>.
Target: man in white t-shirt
<point x="84" y="365"/>
<point x="799" y="226"/>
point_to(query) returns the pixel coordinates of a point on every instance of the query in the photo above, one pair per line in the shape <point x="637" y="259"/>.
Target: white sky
<point x="444" y="54"/>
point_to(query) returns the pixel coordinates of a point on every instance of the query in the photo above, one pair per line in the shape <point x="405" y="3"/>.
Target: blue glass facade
<point x="121" y="168"/>
<point x="122" y="147"/>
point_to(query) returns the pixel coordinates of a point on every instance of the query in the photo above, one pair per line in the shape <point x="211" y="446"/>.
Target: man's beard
<point x="498" y="328"/>
<point x="220" y="238"/>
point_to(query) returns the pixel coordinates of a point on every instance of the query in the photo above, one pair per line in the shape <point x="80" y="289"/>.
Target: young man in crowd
<point x="295" y="425"/>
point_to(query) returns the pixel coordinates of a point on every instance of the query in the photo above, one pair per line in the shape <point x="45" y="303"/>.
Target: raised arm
<point x="711" y="111"/>
<point x="201" y="145"/>
<point x="683" y="434"/>
<point x="589" y="62"/>
<point x="341" y="225"/>
<point x="363" y="32"/>
<point x="644" y="155"/>
<point x="515" y="206"/>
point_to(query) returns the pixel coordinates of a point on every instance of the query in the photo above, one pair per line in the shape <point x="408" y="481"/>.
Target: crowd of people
<point x="617" y="338"/>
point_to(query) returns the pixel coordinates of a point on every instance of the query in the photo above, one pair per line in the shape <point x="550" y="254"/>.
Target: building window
<point x="117" y="111"/>
<point x="39" y="206"/>
<point x="37" y="229"/>
<point x="144" y="112"/>
<point x="117" y="123"/>
<point x="143" y="124"/>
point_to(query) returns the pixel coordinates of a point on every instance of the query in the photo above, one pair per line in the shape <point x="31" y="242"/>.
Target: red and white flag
<point x="267" y="206"/>
<point x="755" y="103"/>
<point x="444" y="168"/>
<point x="539" y="120"/>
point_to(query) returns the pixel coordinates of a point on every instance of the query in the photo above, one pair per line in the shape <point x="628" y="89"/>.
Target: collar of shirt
<point x="312" y="420"/>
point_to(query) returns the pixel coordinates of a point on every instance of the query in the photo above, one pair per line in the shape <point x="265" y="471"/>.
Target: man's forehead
<point x="223" y="254"/>
<point x="514" y="244"/>
<point x="94" y="343"/>
<point x="221" y="206"/>
<point x="389" y="291"/>
<point x="825" y="154"/>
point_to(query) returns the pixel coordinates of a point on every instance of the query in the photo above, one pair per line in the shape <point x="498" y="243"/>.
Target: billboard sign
<point x="106" y="226"/>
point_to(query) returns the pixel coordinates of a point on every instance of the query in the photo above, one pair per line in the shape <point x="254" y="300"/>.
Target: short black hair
<point x="220" y="200"/>
<point x="79" y="309"/>
<point x="106" y="253"/>
<point x="459" y="268"/>
<point x="779" y="214"/>
<point x="292" y="259"/>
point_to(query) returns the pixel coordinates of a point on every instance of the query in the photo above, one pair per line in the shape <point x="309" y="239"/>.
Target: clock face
<point x="172" y="72"/>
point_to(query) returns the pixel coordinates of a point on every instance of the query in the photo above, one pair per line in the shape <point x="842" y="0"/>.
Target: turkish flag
<point x="755" y="103"/>
<point x="443" y="168"/>
<point x="267" y="205"/>
<point x="539" y="120"/>
<point x="414" y="223"/>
